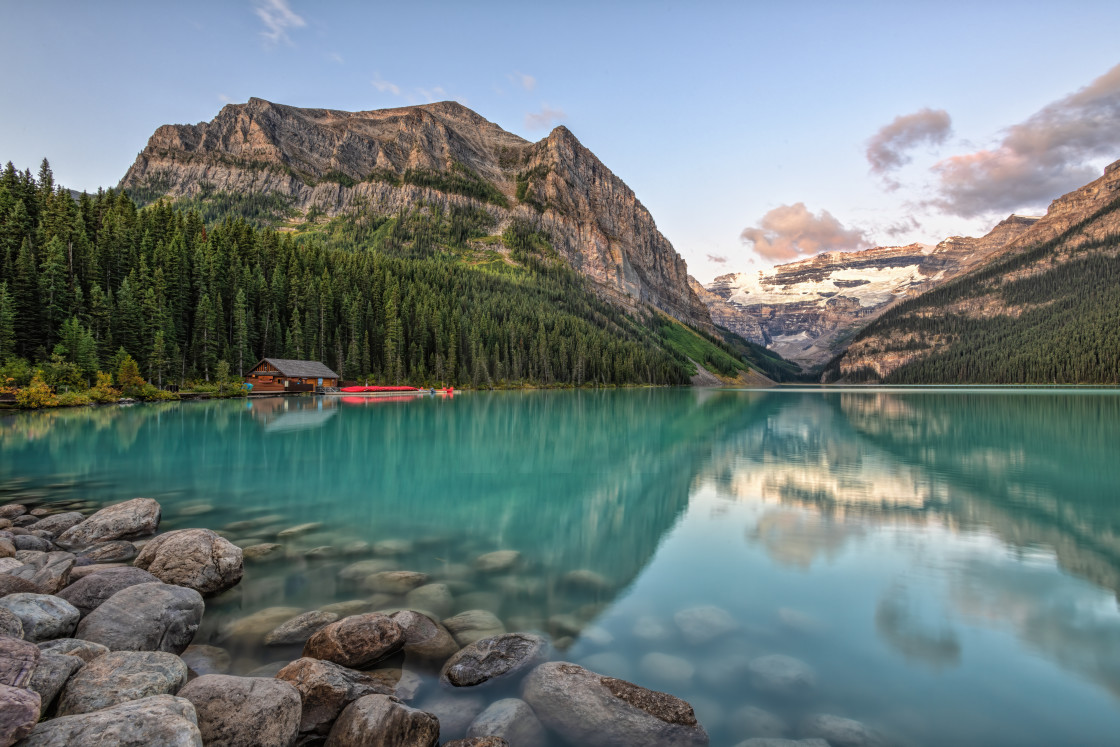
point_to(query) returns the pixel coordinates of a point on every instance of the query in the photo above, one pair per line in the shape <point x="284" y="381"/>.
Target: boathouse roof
<point x="300" y="369"/>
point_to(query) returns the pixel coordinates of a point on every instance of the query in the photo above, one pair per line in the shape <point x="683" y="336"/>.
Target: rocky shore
<point x="99" y="615"/>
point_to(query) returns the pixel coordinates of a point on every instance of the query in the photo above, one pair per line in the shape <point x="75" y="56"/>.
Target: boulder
<point x="585" y="708"/>
<point x="202" y="659"/>
<point x="586" y="580"/>
<point x="136" y="518"/>
<point x="455" y="709"/>
<point x="196" y="558"/>
<point x="19" y="710"/>
<point x="299" y="529"/>
<point x="31" y="542"/>
<point x="59" y="523"/>
<point x="753" y="721"/>
<point x="117" y="551"/>
<point x="425" y="640"/>
<point x="78" y="572"/>
<point x="477" y="742"/>
<point x="242" y="711"/>
<point x="90" y="592"/>
<point x="10" y="584"/>
<point x="299" y="628"/>
<point x="145" y="617"/>
<point x="383" y="720"/>
<point x="43" y="616"/>
<point x="120" y="676"/>
<point x="356" y="641"/>
<point x="264" y="552"/>
<point x="511" y="719"/>
<point x="10" y="625"/>
<point x="17" y="661"/>
<point x="12" y="510"/>
<point x="50" y="571"/>
<point x="839" y="731"/>
<point x="51" y="674"/>
<point x="87" y="651"/>
<point x="7" y="547"/>
<point x="395" y="582"/>
<point x="159" y="720"/>
<point x="402" y="683"/>
<point x="781" y="675"/>
<point x="363" y="568"/>
<point x="473" y="625"/>
<point x="9" y="564"/>
<point x="253" y="628"/>
<point x="489" y="658"/>
<point x="699" y="625"/>
<point x="325" y="688"/>
<point x="433" y="598"/>
<point x="496" y="562"/>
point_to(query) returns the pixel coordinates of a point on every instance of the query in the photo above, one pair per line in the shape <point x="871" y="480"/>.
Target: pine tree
<point x="7" y="323"/>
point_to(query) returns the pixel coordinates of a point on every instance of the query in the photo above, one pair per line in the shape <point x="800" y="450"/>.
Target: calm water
<point x="945" y="563"/>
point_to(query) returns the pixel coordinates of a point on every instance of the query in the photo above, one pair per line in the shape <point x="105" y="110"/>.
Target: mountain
<point x="296" y="167"/>
<point x="806" y="311"/>
<point x="1042" y="308"/>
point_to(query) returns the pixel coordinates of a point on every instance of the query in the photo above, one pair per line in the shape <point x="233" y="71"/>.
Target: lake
<point x="941" y="565"/>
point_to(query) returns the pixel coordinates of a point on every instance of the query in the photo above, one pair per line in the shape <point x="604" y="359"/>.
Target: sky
<point x="754" y="132"/>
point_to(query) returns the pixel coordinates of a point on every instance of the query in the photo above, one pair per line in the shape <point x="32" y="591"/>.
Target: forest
<point x="421" y="297"/>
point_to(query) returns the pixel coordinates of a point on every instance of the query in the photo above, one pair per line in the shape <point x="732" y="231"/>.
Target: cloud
<point x="888" y="149"/>
<point x="791" y="231"/>
<point x="717" y="259"/>
<point x="546" y="117"/>
<point x="902" y="226"/>
<point x="1039" y="159"/>
<point x="385" y="86"/>
<point x="336" y="57"/>
<point x="224" y="98"/>
<point x="528" y="82"/>
<point x="432" y="94"/>
<point x="278" y="18"/>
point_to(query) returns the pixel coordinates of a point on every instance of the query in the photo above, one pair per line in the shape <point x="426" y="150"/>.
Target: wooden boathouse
<point x="282" y="375"/>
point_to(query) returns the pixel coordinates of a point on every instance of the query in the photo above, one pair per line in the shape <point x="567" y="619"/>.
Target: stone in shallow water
<point x="120" y="676"/>
<point x="433" y="598"/>
<point x="258" y="624"/>
<point x="349" y="607"/>
<point x="263" y="553"/>
<point x="586" y="580"/>
<point x="839" y="731"/>
<point x="298" y="530"/>
<point x="158" y="720"/>
<point x="195" y="509"/>
<point x="588" y="708"/>
<point x="382" y="719"/>
<point x="356" y="641"/>
<point x="236" y="711"/>
<point x="473" y="625"/>
<point x="490" y="741"/>
<point x="403" y="684"/>
<point x="90" y="592"/>
<point x="135" y="518"/>
<point x="425" y="640"/>
<point x="51" y="675"/>
<point x="511" y="719"/>
<point x="195" y="558"/>
<point x="395" y="582"/>
<point x="779" y="742"/>
<point x="392" y="547"/>
<point x="299" y="628"/>
<point x="42" y="616"/>
<point x="361" y="569"/>
<point x="490" y="658"/>
<point x="455" y="710"/>
<point x="325" y="688"/>
<point x="19" y="710"/>
<point x="700" y="625"/>
<point x="752" y="721"/>
<point x="495" y="562"/>
<point x="782" y="675"/>
<point x="145" y="617"/>
<point x="203" y="659"/>
<point x="667" y="669"/>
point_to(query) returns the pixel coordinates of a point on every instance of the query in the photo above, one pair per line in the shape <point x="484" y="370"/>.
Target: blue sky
<point x="754" y="132"/>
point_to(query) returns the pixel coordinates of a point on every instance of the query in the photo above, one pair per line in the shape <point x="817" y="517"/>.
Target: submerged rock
<point x="490" y="658"/>
<point x="700" y="625"/>
<point x="455" y="710"/>
<point x="425" y="640"/>
<point x="782" y="675"/>
<point x="195" y="558"/>
<point x="395" y="582"/>
<point x="779" y="742"/>
<point x="325" y="688"/>
<point x="136" y="518"/>
<point x="382" y="719"/>
<point x="489" y="741"/>
<point x="236" y="711"/>
<point x="839" y="731"/>
<point x="588" y="709"/>
<point x="364" y="568"/>
<point x="752" y="721"/>
<point x="299" y="628"/>
<point x="495" y="562"/>
<point x="258" y="624"/>
<point x="145" y="617"/>
<point x="265" y="552"/>
<point x="120" y="676"/>
<point x="433" y="598"/>
<point x="42" y="616"/>
<point x="159" y="720"/>
<point x="473" y="625"/>
<point x="667" y="669"/>
<point x="356" y="641"/>
<point x="203" y="659"/>
<point x="511" y="719"/>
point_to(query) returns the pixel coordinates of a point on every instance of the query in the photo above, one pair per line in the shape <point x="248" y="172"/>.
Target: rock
<point x="363" y="568"/>
<point x="347" y="608"/>
<point x="496" y="562"/>
<point x="455" y="710"/>
<point x="87" y="651"/>
<point x="586" y="580"/>
<point x="117" y="551"/>
<point x="473" y="625"/>
<point x="392" y="547"/>
<point x="667" y="669"/>
<point x="434" y="598"/>
<point x="403" y="684"/>
<point x="51" y="675"/>
<point x="25" y="521"/>
<point x="31" y="542"/>
<point x="321" y="552"/>
<point x="394" y="582"/>
<point x="267" y="670"/>
<point x="752" y="721"/>
<point x="587" y="708"/>
<point x="781" y="675"/>
<point x="700" y="625"/>
<point x="145" y="617"/>
<point x="19" y="710"/>
<point x="299" y="529"/>
<point x="78" y="572"/>
<point x="159" y="720"/>
<point x="10" y="624"/>
<point x="90" y="592"/>
<point x="9" y="564"/>
<point x="477" y="742"/>
<point x="356" y="641"/>
<point x="258" y="624"/>
<point x="136" y="518"/>
<point x="17" y="661"/>
<point x="383" y="720"/>
<point x="7" y="547"/>
<point x="42" y="616"/>
<point x="120" y="676"/>
<point x="203" y="659"/>
<point x="263" y="553"/>
<point x="59" y="523"/>
<point x="10" y="584"/>
<point x="425" y="640"/>
<point x="565" y="625"/>
<point x="490" y="658"/>
<point x="12" y="510"/>
<point x="511" y="719"/>
<point x="242" y="711"/>
<point x="839" y="731"/>
<point x="196" y="558"/>
<point x="325" y="688"/>
<point x="195" y="509"/>
<point x="50" y="571"/>
<point x="779" y="742"/>
<point x="299" y="628"/>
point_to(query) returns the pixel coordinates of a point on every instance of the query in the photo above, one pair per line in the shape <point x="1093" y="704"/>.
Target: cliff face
<point x="352" y="162"/>
<point x="807" y="310"/>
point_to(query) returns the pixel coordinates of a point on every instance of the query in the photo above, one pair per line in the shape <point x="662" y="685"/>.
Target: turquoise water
<point x="944" y="563"/>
